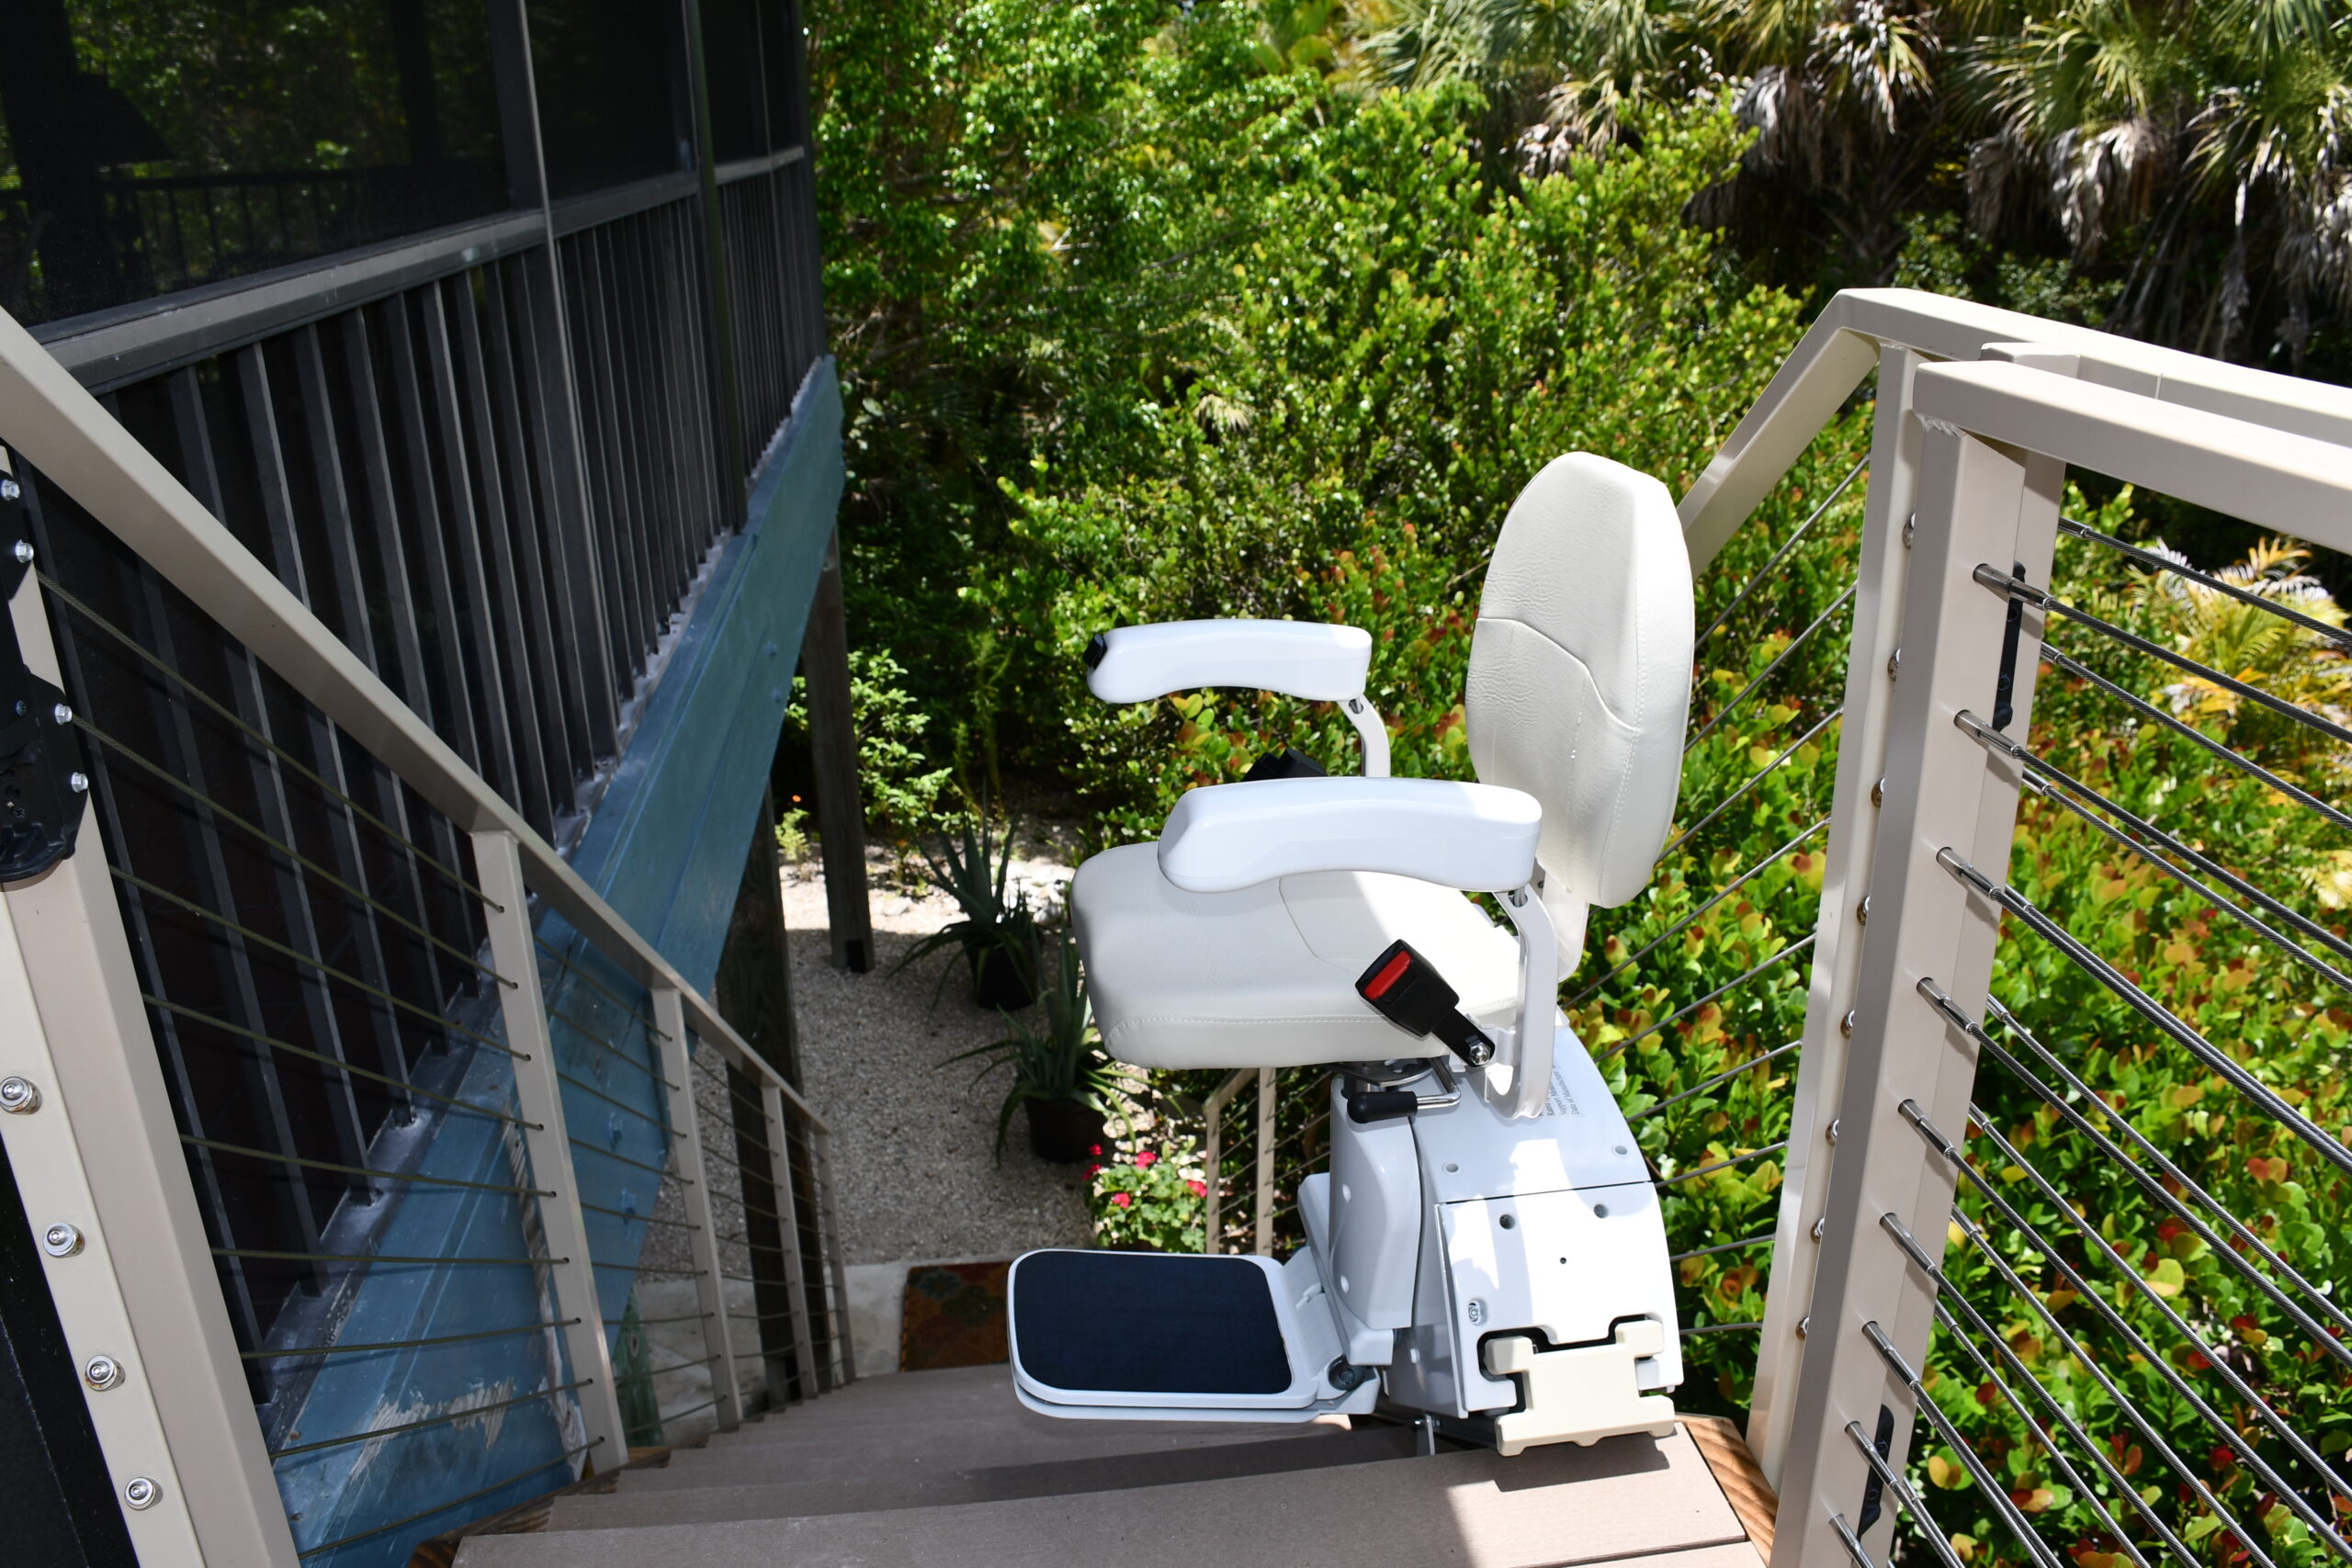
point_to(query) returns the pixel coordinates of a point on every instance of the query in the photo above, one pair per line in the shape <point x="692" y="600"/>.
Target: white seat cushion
<point x="1265" y="977"/>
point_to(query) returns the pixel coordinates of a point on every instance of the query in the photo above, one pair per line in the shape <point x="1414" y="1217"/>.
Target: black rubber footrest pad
<point x="1148" y="1323"/>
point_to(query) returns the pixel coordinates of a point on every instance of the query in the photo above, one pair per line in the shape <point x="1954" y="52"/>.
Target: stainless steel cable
<point x="2043" y="598"/>
<point x="300" y="860"/>
<point x="337" y="1062"/>
<point x="364" y="1346"/>
<point x="230" y="717"/>
<point x="2156" y="562"/>
<point x="2226" y="1431"/>
<point x="1683" y="1176"/>
<point x="1687" y="922"/>
<point x="2043" y="773"/>
<point x="217" y="1147"/>
<point x="1617" y="1046"/>
<point x="564" y="1458"/>
<point x="2243" y="1234"/>
<point x="283" y="950"/>
<point x="1761" y="573"/>
<point x="1724" y="1077"/>
<point x="2082" y="1357"/>
<point x="443" y="1420"/>
<point x="1769" y="670"/>
<point x="2155" y="1012"/>
<point x="1727" y="802"/>
<point x="2223" y="1252"/>
<point x="1994" y="1492"/>
<point x="2060" y="660"/>
<point x="1722" y="1246"/>
<point x="618" y="1000"/>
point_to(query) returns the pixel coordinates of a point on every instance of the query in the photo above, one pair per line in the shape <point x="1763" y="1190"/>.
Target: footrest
<point x="1176" y="1335"/>
<point x="1580" y="1394"/>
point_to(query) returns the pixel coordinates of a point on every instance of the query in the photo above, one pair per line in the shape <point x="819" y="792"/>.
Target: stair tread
<point x="1625" y="1500"/>
<point x="709" y="1504"/>
<point x="1011" y="1435"/>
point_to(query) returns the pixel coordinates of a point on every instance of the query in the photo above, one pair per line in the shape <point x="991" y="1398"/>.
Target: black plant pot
<point x="1063" y="1131"/>
<point x="1000" y="980"/>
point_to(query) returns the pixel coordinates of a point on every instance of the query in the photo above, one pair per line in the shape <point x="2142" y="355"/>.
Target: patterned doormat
<point x="954" y="1316"/>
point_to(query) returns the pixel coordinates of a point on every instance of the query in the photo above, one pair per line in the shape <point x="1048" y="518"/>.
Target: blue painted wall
<point x="666" y="849"/>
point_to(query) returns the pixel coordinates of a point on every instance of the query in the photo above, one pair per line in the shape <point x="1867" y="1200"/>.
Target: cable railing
<point x="427" y="1125"/>
<point x="2057" y="1276"/>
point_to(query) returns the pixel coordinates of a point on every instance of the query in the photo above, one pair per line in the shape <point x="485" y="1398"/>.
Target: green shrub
<point x="1152" y="1199"/>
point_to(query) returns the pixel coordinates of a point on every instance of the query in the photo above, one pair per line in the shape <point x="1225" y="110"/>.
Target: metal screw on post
<point x="1862" y="912"/>
<point x="60" y="1241"/>
<point x="1878" y="792"/>
<point x="1910" y="529"/>
<point x="10" y="489"/>
<point x="142" y="1493"/>
<point x="1846" y="1028"/>
<point x="102" y="1372"/>
<point x="1833" y="1129"/>
<point x="1895" y="665"/>
<point x="1820" y="1227"/>
<point x="1804" y="1325"/>
<point x="24" y="553"/>
<point x="18" y="1097"/>
<point x="63" y="714"/>
<point x="78" y="782"/>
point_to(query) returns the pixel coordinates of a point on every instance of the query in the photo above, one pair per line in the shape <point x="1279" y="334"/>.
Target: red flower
<point x="1120" y="1199"/>
<point x="1146" y="1157"/>
<point x="1092" y="1170"/>
<point x="1094" y="1149"/>
<point x="1200" y="1188"/>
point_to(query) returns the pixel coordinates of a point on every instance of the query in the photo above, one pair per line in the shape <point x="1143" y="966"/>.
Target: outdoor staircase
<point x="947" y="1467"/>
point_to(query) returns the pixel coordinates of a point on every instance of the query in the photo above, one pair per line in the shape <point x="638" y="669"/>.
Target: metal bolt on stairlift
<point x="19" y="1096"/>
<point x="60" y="1241"/>
<point x="102" y="1371"/>
<point x="142" y="1493"/>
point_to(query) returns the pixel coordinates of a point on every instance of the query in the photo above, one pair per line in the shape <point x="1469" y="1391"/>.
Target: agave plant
<point x="997" y="934"/>
<point x="1055" y="1061"/>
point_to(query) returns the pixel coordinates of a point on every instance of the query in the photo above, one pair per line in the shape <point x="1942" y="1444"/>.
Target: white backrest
<point x="1579" y="684"/>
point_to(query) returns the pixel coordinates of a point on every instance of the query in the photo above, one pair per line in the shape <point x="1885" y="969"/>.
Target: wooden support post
<point x="832" y="745"/>
<point x="540" y="1101"/>
<point x="710" y="1283"/>
<point x="787" y="1212"/>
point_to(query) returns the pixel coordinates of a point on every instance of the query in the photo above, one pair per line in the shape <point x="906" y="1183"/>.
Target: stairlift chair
<point x="1487" y="1243"/>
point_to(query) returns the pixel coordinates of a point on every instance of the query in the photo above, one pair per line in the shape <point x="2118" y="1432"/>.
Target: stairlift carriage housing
<point x="1487" y="1243"/>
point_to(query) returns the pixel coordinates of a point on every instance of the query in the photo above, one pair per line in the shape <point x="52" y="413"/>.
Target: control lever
<point x="1407" y="990"/>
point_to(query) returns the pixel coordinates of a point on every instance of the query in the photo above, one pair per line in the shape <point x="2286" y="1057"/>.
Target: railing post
<point x="1212" y="1154"/>
<point x="787" y="1212"/>
<point x="540" y="1101"/>
<point x="93" y="1147"/>
<point x="829" y="1241"/>
<point x="1976" y="502"/>
<point x="710" y="1284"/>
<point x="1853" y="821"/>
<point x="1265" y="1194"/>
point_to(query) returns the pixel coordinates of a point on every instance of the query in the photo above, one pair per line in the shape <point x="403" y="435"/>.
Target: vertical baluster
<point x="710" y="1283"/>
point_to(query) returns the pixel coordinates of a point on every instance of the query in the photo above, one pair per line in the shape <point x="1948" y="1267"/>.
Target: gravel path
<point x="914" y="1140"/>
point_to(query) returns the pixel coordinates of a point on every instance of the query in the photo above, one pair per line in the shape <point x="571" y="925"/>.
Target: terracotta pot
<point x="1063" y="1131"/>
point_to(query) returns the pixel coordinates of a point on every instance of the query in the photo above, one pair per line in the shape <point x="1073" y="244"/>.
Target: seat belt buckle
<point x="1406" y="988"/>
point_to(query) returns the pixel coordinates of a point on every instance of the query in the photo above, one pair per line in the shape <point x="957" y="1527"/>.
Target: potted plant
<point x="1059" y="1074"/>
<point x="998" y="935"/>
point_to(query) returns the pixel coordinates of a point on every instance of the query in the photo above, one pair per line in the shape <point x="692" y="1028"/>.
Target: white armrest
<point x="1299" y="658"/>
<point x="1476" y="837"/>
